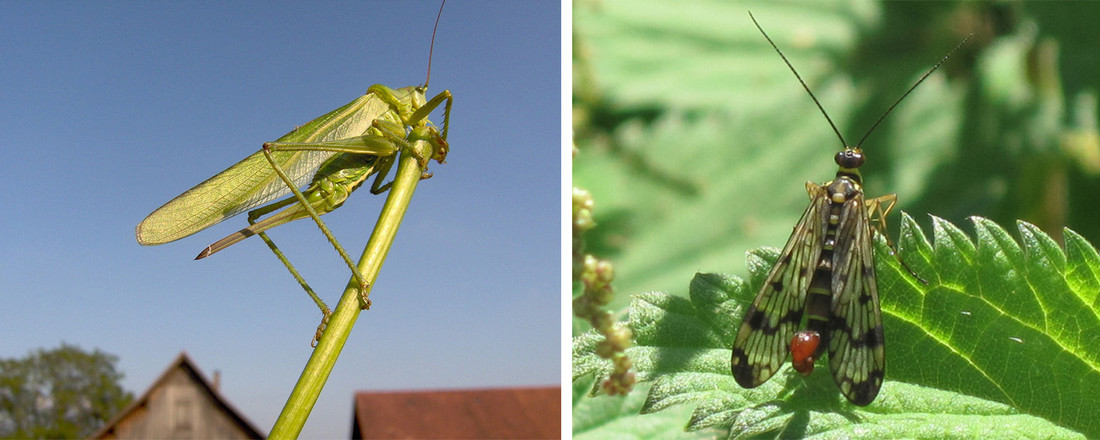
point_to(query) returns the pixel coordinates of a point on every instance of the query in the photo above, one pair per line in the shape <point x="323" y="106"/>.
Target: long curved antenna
<point x="431" y="47"/>
<point x="933" y="69"/>
<point x="796" y="75"/>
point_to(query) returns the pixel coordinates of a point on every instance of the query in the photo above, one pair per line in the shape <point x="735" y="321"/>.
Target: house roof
<point x="184" y="362"/>
<point x="502" y="413"/>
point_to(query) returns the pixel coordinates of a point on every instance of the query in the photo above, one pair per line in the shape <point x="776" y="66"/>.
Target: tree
<point x="61" y="393"/>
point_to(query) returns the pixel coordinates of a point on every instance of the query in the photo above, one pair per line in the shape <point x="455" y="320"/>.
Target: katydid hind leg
<point x="321" y="327"/>
<point x="325" y="310"/>
<point x="245" y="233"/>
<point x="304" y="202"/>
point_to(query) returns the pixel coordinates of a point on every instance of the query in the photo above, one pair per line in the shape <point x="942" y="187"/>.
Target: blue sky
<point x="110" y="109"/>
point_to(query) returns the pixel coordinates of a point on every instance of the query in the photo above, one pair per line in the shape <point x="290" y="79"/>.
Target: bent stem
<point x="319" y="366"/>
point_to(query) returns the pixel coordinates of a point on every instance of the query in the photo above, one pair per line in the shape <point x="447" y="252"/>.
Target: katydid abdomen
<point x="331" y="186"/>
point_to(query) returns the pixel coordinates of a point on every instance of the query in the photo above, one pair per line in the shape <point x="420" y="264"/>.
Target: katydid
<point x="340" y="150"/>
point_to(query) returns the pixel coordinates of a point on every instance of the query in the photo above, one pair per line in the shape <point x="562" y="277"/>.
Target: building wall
<point x="179" y="408"/>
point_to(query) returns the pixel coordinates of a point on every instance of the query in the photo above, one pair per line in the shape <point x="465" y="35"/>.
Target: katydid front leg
<point x="413" y="111"/>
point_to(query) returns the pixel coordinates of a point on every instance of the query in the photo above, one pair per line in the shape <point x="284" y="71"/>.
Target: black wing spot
<point x="755" y="319"/>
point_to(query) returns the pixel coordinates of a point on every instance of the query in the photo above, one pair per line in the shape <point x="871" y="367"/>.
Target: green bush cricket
<point x="335" y="153"/>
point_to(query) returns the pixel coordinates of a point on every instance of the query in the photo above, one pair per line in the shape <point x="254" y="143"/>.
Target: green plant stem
<point x="317" y="370"/>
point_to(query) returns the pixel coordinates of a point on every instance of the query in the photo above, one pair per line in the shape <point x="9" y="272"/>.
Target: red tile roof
<point x="502" y="413"/>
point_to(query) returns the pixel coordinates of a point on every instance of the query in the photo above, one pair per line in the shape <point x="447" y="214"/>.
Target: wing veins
<point x="856" y="350"/>
<point x="762" y="341"/>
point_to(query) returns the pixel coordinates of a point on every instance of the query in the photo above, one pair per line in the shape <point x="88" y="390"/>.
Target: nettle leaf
<point x="700" y="117"/>
<point x="619" y="417"/>
<point x="1000" y="341"/>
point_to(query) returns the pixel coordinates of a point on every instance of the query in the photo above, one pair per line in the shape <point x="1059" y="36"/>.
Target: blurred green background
<point x="696" y="141"/>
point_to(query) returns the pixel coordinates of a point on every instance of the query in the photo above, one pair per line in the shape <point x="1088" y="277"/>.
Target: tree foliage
<point x="64" y="392"/>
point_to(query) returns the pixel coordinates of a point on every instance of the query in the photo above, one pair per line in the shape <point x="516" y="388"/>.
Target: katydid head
<point x="851" y="158"/>
<point x="430" y="136"/>
<point x="413" y="107"/>
<point x="415" y="115"/>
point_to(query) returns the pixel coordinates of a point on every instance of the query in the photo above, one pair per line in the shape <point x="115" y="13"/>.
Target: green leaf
<point x="695" y="140"/>
<point x="699" y="117"/>
<point x="1000" y="341"/>
<point x="618" y="417"/>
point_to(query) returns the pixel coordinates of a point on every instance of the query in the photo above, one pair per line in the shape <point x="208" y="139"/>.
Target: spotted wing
<point x="857" y="355"/>
<point x="774" y="316"/>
